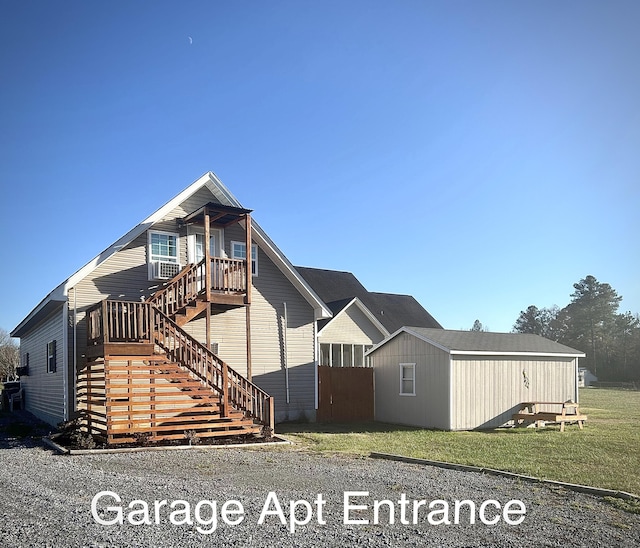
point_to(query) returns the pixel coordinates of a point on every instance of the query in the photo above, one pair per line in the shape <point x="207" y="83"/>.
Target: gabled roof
<point x="341" y="307"/>
<point x="338" y="289"/>
<point x="221" y="192"/>
<point x="486" y="343"/>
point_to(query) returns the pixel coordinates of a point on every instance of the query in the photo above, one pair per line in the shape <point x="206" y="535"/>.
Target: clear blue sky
<point x="481" y="156"/>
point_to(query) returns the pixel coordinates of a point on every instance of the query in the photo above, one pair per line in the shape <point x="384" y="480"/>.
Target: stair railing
<point x="181" y="290"/>
<point x="209" y="368"/>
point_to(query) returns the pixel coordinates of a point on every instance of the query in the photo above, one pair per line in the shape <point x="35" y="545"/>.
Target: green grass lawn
<point x="606" y="453"/>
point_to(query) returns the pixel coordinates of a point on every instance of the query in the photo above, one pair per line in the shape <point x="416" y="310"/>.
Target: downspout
<point x="285" y="352"/>
<point x="65" y="360"/>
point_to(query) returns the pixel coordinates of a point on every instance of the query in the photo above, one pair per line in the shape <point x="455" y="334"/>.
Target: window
<point x="358" y="355"/>
<point x="239" y="251"/>
<point x="407" y="379"/>
<point x="344" y="355"/>
<point x="163" y="255"/>
<point x="51" y="357"/>
<point x="325" y="354"/>
<point x="195" y="244"/>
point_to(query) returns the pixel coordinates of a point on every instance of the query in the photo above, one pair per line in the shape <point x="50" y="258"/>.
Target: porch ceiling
<point x="219" y="214"/>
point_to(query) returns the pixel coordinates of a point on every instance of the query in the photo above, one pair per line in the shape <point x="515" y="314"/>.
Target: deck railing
<point x="227" y="275"/>
<point x="121" y="321"/>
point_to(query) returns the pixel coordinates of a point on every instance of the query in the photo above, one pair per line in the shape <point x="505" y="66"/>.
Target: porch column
<point x="207" y="254"/>
<point x="249" y="283"/>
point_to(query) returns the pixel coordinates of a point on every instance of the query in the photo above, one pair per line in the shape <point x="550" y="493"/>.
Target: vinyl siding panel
<point x="124" y="276"/>
<point x="487" y="390"/>
<point x="271" y="290"/>
<point x="351" y="327"/>
<point x="429" y="408"/>
<point x="43" y="391"/>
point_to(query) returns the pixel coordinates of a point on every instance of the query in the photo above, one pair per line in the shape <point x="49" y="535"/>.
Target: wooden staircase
<point x="148" y="379"/>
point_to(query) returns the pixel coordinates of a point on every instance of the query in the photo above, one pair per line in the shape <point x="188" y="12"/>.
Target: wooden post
<point x="207" y="254"/>
<point x="249" y="283"/>
<point x="272" y="418"/>
<point x="225" y="390"/>
<point x="105" y="323"/>
<point x="89" y="395"/>
<point x="107" y="403"/>
<point x="208" y="325"/>
<point x="248" y="334"/>
<point x="249" y="274"/>
<point x="152" y="398"/>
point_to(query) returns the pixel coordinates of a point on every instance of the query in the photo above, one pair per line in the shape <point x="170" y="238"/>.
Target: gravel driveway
<point x="46" y="501"/>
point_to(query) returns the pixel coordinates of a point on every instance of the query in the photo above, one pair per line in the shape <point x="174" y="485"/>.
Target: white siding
<point x="351" y="327"/>
<point x="124" y="276"/>
<point x="43" y="391"/>
<point x="488" y="389"/>
<point x="429" y="408"/>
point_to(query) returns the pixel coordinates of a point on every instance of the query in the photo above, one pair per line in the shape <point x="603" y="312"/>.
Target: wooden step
<point x="195" y="412"/>
<point x="189" y="312"/>
<point x="214" y="423"/>
<point x="215" y="433"/>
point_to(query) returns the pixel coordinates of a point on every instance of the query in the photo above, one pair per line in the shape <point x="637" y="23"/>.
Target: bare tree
<point x="9" y="355"/>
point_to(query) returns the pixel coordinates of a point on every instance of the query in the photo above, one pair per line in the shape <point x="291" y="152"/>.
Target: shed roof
<point x="338" y="289"/>
<point x="486" y="343"/>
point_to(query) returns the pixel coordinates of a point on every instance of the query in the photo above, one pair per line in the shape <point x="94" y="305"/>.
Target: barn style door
<point x="345" y="394"/>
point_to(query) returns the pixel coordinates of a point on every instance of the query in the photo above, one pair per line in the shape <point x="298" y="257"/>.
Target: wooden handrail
<point x="181" y="290"/>
<point x="143" y="322"/>
<point x="191" y="283"/>
<point x="209" y="368"/>
<point x="118" y="321"/>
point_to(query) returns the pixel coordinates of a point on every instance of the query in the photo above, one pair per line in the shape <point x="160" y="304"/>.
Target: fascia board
<point x="357" y="302"/>
<point x="410" y="332"/>
<point x="61" y="291"/>
<point x="43" y="307"/>
<point x="535" y="354"/>
<point x="265" y="243"/>
<point x="139" y="229"/>
<point x="272" y="251"/>
<point x="211" y="181"/>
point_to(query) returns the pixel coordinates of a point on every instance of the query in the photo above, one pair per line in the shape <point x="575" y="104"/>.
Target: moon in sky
<point x="190" y="40"/>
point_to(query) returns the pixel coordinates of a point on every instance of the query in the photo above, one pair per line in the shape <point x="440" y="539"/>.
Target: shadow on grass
<point x="381" y="427"/>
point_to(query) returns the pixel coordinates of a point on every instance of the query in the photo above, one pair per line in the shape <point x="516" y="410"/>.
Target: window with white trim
<point x="407" y="379"/>
<point x="239" y="251"/>
<point x="164" y="255"/>
<point x="344" y="355"/>
<point x="51" y="357"/>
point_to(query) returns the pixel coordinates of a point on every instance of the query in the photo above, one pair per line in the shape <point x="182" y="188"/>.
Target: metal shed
<point x="464" y="380"/>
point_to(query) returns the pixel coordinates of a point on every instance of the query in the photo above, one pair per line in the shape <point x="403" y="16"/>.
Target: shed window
<point x="51" y="357"/>
<point x="407" y="379"/>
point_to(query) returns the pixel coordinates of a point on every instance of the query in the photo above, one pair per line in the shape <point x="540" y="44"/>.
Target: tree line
<point x="592" y="324"/>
